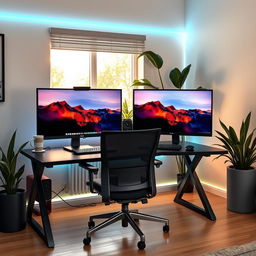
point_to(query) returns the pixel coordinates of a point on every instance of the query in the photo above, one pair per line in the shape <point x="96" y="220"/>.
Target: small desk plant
<point x="241" y="175"/>
<point x="12" y="198"/>
<point x="178" y="79"/>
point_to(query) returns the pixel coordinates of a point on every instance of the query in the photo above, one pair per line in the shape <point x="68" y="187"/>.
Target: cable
<point x="75" y="206"/>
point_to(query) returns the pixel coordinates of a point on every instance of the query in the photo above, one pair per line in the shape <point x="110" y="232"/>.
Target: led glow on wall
<point x="79" y="23"/>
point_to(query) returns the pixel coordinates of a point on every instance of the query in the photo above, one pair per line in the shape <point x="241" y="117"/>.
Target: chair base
<point x="127" y="216"/>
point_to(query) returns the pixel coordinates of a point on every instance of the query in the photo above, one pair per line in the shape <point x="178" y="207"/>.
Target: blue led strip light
<point x="89" y="24"/>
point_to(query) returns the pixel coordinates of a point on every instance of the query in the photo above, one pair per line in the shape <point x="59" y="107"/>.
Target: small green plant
<point x="241" y="148"/>
<point x="10" y="177"/>
<point x="126" y="113"/>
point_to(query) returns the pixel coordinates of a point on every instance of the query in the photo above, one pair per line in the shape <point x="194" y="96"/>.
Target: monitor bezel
<point x="85" y="135"/>
<point x="180" y="133"/>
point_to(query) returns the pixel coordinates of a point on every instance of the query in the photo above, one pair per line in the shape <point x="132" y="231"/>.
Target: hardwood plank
<point x="190" y="234"/>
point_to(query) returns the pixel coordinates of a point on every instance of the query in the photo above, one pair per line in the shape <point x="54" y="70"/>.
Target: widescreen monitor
<point x="69" y="113"/>
<point x="176" y="112"/>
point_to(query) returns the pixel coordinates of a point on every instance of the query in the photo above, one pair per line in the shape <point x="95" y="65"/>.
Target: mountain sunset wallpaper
<point x="61" y="112"/>
<point x="174" y="111"/>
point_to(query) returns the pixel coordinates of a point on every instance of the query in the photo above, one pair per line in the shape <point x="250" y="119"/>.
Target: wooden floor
<point x="190" y="234"/>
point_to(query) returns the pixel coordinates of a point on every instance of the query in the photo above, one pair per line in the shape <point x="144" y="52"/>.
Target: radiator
<point x="77" y="178"/>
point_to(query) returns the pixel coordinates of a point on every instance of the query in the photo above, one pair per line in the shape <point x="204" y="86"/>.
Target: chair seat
<point x="130" y="196"/>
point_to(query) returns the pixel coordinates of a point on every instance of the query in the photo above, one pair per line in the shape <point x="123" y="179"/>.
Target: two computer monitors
<point x="67" y="113"/>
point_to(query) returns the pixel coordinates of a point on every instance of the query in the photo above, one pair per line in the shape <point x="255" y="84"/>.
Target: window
<point x="95" y="59"/>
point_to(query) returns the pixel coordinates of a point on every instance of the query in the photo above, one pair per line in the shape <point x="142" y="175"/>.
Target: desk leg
<point x="37" y="188"/>
<point x="191" y="167"/>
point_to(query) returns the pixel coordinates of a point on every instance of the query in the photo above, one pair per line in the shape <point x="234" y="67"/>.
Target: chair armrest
<point x="157" y="163"/>
<point x="89" y="167"/>
<point x="93" y="170"/>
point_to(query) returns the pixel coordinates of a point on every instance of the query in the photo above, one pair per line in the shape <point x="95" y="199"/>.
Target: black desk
<point x="192" y="159"/>
<point x="51" y="157"/>
<point x="58" y="156"/>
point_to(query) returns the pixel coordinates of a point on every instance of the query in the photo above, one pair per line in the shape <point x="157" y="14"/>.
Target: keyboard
<point x="84" y="149"/>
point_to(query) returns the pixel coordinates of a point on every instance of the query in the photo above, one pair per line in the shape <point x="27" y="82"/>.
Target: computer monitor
<point x="176" y="112"/>
<point x="74" y="113"/>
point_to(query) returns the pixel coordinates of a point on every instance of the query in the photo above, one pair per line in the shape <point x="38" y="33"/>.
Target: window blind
<point x="83" y="40"/>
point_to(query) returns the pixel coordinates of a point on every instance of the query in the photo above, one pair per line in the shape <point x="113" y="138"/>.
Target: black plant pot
<point x="127" y="124"/>
<point x="241" y="190"/>
<point x="189" y="184"/>
<point x="12" y="211"/>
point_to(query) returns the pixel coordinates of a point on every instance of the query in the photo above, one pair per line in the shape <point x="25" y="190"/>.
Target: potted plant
<point x="127" y="116"/>
<point x="178" y="79"/>
<point x="241" y="175"/>
<point x="180" y="160"/>
<point x="12" y="198"/>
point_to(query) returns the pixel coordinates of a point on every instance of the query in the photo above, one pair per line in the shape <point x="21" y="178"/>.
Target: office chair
<point x="127" y="176"/>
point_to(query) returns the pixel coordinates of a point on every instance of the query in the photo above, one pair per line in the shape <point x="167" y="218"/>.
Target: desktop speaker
<point x="127" y="124"/>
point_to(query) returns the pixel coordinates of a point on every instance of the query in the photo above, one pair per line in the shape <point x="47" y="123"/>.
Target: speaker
<point x="127" y="124"/>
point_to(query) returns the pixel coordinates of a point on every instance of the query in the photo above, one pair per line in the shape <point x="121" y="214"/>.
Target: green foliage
<point x="144" y="82"/>
<point x="57" y="77"/>
<point x="126" y="113"/>
<point x="178" y="77"/>
<point x="10" y="177"/>
<point x="180" y="160"/>
<point x="241" y="147"/>
<point x="157" y="61"/>
<point x="154" y="58"/>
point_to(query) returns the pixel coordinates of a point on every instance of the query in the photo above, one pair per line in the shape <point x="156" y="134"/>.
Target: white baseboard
<point x="166" y="187"/>
<point x="215" y="190"/>
<point x="85" y="199"/>
<point x="89" y="198"/>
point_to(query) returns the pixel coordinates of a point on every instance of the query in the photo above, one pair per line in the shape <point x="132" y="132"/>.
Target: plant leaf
<point x="184" y="74"/>
<point x="10" y="151"/>
<point x="155" y="59"/>
<point x="143" y="82"/>
<point x="174" y="76"/>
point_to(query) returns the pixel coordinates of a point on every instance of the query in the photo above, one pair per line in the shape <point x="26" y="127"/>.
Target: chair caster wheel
<point x="141" y="245"/>
<point x="87" y="241"/>
<point x="91" y="224"/>
<point x="166" y="228"/>
<point x="124" y="223"/>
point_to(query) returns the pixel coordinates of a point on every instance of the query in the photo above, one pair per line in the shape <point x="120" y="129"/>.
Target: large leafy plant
<point x="176" y="76"/>
<point x="241" y="147"/>
<point x="178" y="79"/>
<point x="10" y="177"/>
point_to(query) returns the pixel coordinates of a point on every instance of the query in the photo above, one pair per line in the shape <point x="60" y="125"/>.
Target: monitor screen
<point x="182" y="112"/>
<point x="66" y="113"/>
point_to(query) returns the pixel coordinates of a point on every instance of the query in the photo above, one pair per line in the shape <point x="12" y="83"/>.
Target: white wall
<point x="221" y="49"/>
<point x="28" y="64"/>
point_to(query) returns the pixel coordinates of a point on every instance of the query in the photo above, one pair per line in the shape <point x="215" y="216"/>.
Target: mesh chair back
<point x="128" y="164"/>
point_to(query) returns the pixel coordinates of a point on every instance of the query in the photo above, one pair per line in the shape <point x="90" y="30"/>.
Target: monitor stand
<point x="75" y="146"/>
<point x="170" y="145"/>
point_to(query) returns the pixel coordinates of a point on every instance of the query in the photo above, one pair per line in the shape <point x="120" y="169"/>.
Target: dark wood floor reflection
<point x="190" y="233"/>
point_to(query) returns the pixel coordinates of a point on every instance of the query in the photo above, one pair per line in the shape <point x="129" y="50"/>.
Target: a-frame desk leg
<point x="44" y="231"/>
<point x="191" y="167"/>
